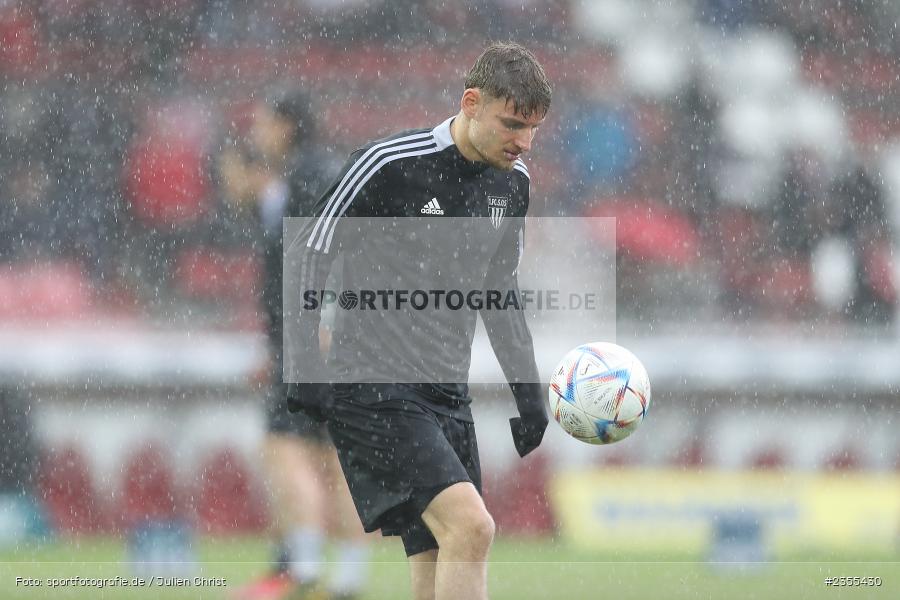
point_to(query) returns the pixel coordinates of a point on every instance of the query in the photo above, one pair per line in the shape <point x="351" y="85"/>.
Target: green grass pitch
<point x="521" y="569"/>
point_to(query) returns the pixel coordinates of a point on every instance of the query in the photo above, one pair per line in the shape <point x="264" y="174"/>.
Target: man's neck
<point x="460" y="137"/>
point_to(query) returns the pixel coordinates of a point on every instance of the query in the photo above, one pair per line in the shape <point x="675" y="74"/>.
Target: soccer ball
<point x="599" y="393"/>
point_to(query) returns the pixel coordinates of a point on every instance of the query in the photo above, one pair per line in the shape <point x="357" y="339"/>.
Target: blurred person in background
<point x="856" y="211"/>
<point x="278" y="174"/>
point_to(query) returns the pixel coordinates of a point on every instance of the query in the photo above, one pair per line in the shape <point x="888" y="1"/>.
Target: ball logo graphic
<point x="348" y="300"/>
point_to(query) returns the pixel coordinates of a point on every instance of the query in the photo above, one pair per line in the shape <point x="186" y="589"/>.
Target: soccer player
<point x="280" y="175"/>
<point x="408" y="450"/>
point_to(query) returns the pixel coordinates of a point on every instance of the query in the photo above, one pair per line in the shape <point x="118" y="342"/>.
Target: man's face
<point x="499" y="134"/>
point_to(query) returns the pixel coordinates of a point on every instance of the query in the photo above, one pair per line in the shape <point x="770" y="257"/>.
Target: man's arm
<point x="512" y="343"/>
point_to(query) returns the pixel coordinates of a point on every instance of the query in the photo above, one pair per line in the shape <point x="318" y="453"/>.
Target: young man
<point x="281" y="176"/>
<point x="408" y="450"/>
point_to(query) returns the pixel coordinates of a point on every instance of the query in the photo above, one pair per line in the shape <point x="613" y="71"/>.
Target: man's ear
<point x="470" y="102"/>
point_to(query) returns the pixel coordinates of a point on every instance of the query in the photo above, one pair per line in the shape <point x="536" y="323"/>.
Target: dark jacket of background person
<point x="307" y="175"/>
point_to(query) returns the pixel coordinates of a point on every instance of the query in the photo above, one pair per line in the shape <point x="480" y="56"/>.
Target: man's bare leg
<point x="299" y="497"/>
<point x="295" y="482"/>
<point x="422" y="569"/>
<point x="464" y="531"/>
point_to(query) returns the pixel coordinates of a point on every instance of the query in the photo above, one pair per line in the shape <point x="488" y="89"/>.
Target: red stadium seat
<point x="788" y="286"/>
<point x="649" y="231"/>
<point x="19" y="39"/>
<point x="148" y="488"/>
<point x="740" y="235"/>
<point x="869" y="127"/>
<point x="227" y="500"/>
<point x="166" y="186"/>
<point x="691" y="455"/>
<point x="769" y="458"/>
<point x="56" y="290"/>
<point x="822" y="68"/>
<point x="518" y="500"/>
<point x="166" y="177"/>
<point x="878" y="265"/>
<point x="360" y="121"/>
<point x="615" y="458"/>
<point x="205" y="273"/>
<point x="66" y="489"/>
<point x="845" y="459"/>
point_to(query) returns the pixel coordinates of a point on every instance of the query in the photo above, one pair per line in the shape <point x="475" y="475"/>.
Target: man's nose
<point x="524" y="139"/>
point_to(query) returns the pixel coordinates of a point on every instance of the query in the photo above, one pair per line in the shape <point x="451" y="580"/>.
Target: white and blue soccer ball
<point x="599" y="393"/>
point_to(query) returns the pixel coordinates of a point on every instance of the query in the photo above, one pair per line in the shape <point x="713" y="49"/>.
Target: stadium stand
<point x="747" y="169"/>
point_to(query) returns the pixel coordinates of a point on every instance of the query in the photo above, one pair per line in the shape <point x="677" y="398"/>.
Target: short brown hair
<point x="509" y="71"/>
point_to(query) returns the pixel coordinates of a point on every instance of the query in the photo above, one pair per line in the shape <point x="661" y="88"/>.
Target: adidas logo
<point x="432" y="208"/>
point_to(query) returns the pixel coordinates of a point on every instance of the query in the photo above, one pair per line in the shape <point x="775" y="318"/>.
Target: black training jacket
<point x="383" y="215"/>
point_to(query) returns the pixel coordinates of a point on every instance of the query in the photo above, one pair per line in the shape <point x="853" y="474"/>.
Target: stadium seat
<point x="68" y="495"/>
<point x="58" y="290"/>
<point x="879" y="269"/>
<point x="148" y="490"/>
<point x="821" y="68"/>
<point x="211" y="274"/>
<point x="166" y="178"/>
<point x="768" y="458"/>
<point x="166" y="185"/>
<point x="615" y="458"/>
<point x="518" y="501"/>
<point x="788" y="287"/>
<point x="650" y="231"/>
<point x="691" y="454"/>
<point x="20" y="44"/>
<point x="845" y="459"/>
<point x="360" y="121"/>
<point x="54" y="290"/>
<point x="226" y="499"/>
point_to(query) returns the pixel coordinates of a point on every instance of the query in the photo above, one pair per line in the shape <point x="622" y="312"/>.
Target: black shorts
<point x="397" y="455"/>
<point x="281" y="421"/>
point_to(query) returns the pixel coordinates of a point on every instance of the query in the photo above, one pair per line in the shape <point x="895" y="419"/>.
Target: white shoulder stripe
<point x="521" y="169"/>
<point x="353" y="173"/>
<point x="522" y="164"/>
<point x="346" y="203"/>
<point x="421" y="140"/>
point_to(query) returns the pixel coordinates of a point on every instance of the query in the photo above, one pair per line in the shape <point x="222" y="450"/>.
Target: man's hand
<point x="313" y="399"/>
<point x="528" y="431"/>
<point x="528" y="428"/>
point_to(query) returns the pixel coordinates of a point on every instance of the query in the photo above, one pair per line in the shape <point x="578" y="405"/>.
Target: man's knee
<point x="470" y="536"/>
<point x="458" y="517"/>
<point x="480" y="528"/>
